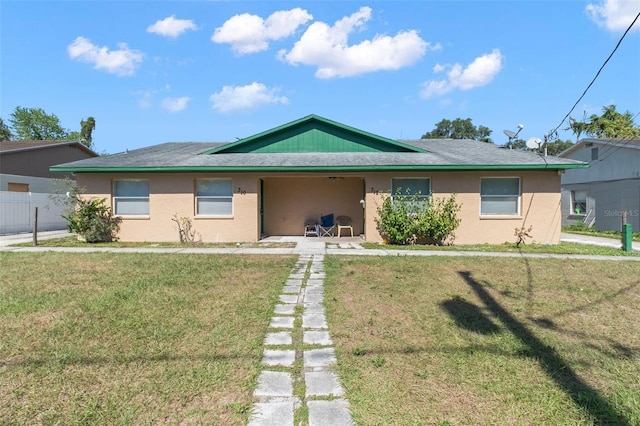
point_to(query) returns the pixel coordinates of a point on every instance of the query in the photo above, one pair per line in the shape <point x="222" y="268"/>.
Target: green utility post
<point x="626" y="237"/>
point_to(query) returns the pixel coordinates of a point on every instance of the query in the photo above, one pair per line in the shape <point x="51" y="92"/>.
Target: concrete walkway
<point x="299" y="355"/>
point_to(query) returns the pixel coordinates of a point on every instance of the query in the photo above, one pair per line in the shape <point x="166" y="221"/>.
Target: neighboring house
<point x="26" y="182"/>
<point x="273" y="182"/>
<point x="600" y="194"/>
<point x="24" y="165"/>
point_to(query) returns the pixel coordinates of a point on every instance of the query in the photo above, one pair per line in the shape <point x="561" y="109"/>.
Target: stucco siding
<point x="539" y="205"/>
<point x="290" y="200"/>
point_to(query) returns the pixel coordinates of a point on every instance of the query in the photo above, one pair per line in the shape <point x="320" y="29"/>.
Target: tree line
<point x="29" y="124"/>
<point x="611" y="124"/>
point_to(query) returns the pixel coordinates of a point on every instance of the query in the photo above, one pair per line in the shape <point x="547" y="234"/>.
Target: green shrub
<point x="92" y="220"/>
<point x="410" y="219"/>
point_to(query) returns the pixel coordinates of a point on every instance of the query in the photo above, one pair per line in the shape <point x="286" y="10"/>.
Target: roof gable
<point x="313" y="134"/>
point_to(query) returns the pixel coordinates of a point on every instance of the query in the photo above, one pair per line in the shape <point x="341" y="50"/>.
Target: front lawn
<point x="480" y="341"/>
<point x="133" y="338"/>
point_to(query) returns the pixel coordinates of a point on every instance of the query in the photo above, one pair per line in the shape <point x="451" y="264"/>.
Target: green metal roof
<point x="313" y="134"/>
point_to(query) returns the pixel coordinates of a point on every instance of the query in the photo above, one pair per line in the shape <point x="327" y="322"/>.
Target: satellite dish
<point x="509" y="134"/>
<point x="534" y="143"/>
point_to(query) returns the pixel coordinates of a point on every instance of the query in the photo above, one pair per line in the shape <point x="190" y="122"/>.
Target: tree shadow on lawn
<point x="554" y="365"/>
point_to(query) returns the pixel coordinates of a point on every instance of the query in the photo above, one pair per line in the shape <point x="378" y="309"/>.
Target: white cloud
<point x="478" y="73"/>
<point x="327" y="48"/>
<point x="248" y="33"/>
<point x="615" y="15"/>
<point x="232" y="98"/>
<point x="121" y="62"/>
<point x="174" y="104"/>
<point x="171" y="27"/>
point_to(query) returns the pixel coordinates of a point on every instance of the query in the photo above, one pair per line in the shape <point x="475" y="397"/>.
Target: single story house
<point x="26" y="183"/>
<point x="273" y="182"/>
<point x="608" y="189"/>
<point x="24" y="165"/>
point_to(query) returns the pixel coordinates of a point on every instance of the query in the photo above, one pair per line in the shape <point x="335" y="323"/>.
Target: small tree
<point x="409" y="219"/>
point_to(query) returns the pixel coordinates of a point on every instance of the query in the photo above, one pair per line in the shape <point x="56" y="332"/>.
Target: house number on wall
<point x="242" y="191"/>
<point x="374" y="191"/>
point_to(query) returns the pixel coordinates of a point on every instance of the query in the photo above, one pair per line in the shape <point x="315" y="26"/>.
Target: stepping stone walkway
<point x="299" y="355"/>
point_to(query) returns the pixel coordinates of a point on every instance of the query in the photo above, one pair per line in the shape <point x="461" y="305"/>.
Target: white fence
<point x="17" y="212"/>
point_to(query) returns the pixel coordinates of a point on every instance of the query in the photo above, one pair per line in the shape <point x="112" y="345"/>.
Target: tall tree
<point x="611" y="124"/>
<point x="5" y="132"/>
<point x="459" y="129"/>
<point x="36" y="124"/>
<point x="86" y="129"/>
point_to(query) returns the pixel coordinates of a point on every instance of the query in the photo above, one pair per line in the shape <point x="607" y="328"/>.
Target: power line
<point x="594" y="78"/>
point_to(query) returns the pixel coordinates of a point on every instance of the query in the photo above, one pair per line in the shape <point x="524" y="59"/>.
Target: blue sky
<point x="163" y="71"/>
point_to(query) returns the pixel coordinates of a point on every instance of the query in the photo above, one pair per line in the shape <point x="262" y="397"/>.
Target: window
<point x="214" y="197"/>
<point x="131" y="197"/>
<point x="410" y="187"/>
<point x="578" y="202"/>
<point x="17" y="187"/>
<point x="499" y="196"/>
<point x="594" y="154"/>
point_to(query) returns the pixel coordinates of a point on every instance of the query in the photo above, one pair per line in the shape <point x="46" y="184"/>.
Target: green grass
<point x="635" y="236"/>
<point x="133" y="338"/>
<point x="561" y="248"/>
<point x="74" y="242"/>
<point x="466" y="341"/>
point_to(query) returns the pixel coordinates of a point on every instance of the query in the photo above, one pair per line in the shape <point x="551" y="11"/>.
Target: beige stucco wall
<point x="290" y="200"/>
<point x="539" y="205"/>
<point x="173" y="194"/>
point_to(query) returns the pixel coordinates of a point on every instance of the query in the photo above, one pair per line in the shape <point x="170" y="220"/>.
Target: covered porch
<point x="287" y="203"/>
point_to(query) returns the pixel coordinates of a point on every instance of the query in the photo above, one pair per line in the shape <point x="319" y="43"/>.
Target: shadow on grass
<point x="468" y="316"/>
<point x="554" y="365"/>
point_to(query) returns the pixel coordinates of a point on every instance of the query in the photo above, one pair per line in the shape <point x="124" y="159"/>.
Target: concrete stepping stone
<point x="279" y="357"/>
<point x="282" y="322"/>
<point x="334" y="413"/>
<point x="288" y="298"/>
<point x="313" y="298"/>
<point x="315" y="283"/>
<point x="296" y="276"/>
<point x="272" y="414"/>
<point x="293" y="282"/>
<point x="319" y="357"/>
<point x="279" y="338"/>
<point x="274" y="383"/>
<point x="315" y="290"/>
<point x="291" y="289"/>
<point x="314" y="321"/>
<point x="285" y="309"/>
<point x="322" y="383"/>
<point x="314" y="308"/>
<point x="317" y="338"/>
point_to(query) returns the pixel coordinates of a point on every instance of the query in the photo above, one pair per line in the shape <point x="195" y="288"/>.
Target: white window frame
<point x="199" y="198"/>
<point x="574" y="202"/>
<point x="506" y="197"/>
<point x="117" y="199"/>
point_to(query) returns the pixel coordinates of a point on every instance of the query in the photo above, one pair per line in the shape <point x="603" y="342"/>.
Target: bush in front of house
<point x="411" y="219"/>
<point x="92" y="220"/>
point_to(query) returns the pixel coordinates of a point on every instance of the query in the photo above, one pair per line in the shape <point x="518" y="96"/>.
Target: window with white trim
<point x="578" y="202"/>
<point x="214" y="197"/>
<point x="131" y="197"/>
<point x="408" y="188"/>
<point x="500" y="196"/>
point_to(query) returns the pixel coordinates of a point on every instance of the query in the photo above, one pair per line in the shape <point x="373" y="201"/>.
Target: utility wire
<point x="594" y="78"/>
